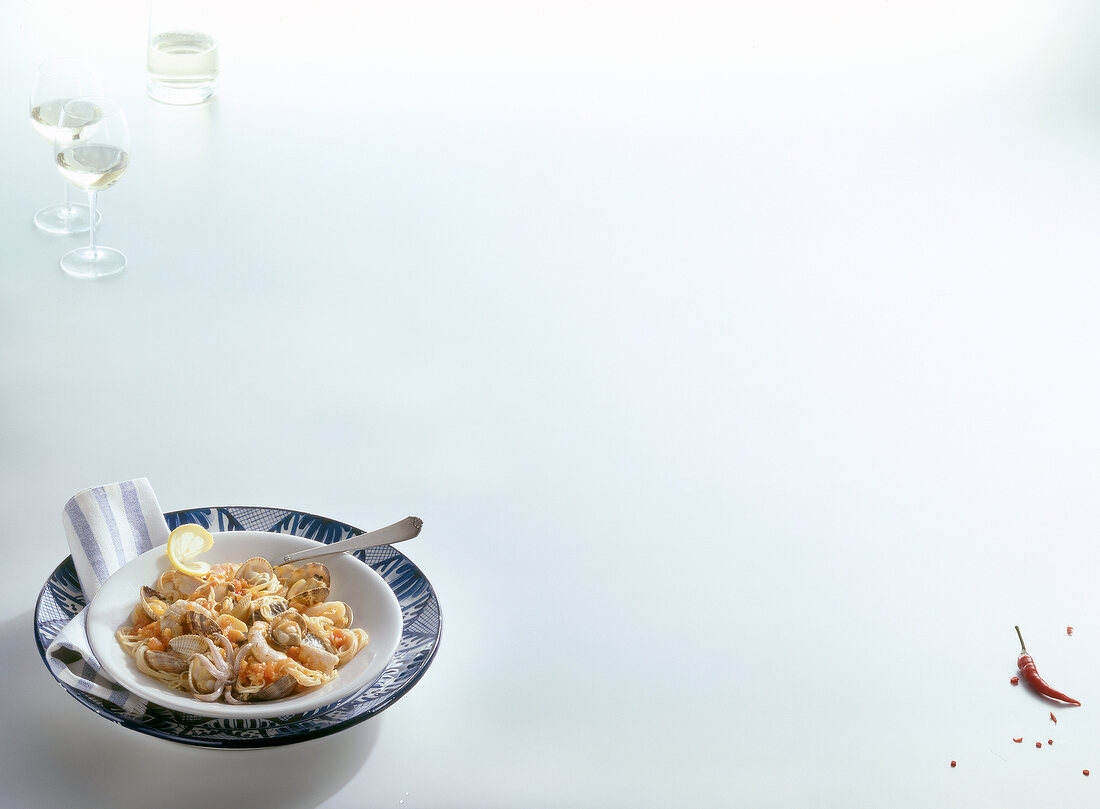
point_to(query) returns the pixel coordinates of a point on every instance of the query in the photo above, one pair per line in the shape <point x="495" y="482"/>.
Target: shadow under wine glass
<point x="92" y="151"/>
<point x="57" y="81"/>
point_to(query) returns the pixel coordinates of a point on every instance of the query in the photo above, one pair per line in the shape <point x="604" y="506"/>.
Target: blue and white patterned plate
<point x="61" y="598"/>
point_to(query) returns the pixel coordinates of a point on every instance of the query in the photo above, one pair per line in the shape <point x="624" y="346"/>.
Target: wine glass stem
<point x="91" y="228"/>
<point x="68" y="200"/>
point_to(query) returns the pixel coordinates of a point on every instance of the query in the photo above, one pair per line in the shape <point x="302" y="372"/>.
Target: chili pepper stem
<point x="1021" y="637"/>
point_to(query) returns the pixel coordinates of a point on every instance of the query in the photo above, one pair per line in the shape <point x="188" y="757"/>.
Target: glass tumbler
<point x="182" y="51"/>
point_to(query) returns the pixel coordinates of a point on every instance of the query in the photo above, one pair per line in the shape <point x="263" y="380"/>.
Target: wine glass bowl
<point x="92" y="152"/>
<point x="57" y="81"/>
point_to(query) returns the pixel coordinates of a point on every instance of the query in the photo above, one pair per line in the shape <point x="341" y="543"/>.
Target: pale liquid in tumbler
<point x="182" y="66"/>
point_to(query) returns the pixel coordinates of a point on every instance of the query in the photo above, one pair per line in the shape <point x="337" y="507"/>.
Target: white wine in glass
<point x="182" y="66"/>
<point x="92" y="152"/>
<point x="182" y="63"/>
<point x="56" y="82"/>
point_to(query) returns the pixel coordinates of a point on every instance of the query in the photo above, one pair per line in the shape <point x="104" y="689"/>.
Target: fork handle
<point x="407" y="528"/>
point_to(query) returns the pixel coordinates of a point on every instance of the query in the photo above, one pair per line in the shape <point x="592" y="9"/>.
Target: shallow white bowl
<point x="375" y="608"/>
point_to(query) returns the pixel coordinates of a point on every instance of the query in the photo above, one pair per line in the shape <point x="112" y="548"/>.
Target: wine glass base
<point x="88" y="262"/>
<point x="62" y="218"/>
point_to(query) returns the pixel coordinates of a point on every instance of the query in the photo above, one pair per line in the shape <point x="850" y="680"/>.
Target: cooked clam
<point x="207" y="678"/>
<point x="175" y="584"/>
<point x="188" y="645"/>
<point x="152" y="602"/>
<point x="282" y="687"/>
<point x="171" y="623"/>
<point x="233" y="627"/>
<point x="287" y="629"/>
<point x="199" y="623"/>
<point x="239" y="606"/>
<point x="254" y="570"/>
<point x="202" y="674"/>
<point x="266" y="608"/>
<point x="165" y="661"/>
<point x="307" y="598"/>
<point x="311" y="573"/>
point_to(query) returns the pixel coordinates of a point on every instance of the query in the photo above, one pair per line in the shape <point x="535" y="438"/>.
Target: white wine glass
<point x="58" y="80"/>
<point x="92" y="151"/>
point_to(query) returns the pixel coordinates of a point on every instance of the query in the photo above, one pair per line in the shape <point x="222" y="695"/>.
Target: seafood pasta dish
<point x="242" y="632"/>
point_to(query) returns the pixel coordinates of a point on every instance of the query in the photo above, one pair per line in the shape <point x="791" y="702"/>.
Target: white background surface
<point x="740" y="359"/>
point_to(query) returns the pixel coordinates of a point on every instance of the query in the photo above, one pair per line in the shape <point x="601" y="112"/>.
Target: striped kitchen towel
<point x="106" y="526"/>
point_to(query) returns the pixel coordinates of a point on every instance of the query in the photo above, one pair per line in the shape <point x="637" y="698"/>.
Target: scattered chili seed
<point x="1084" y="772"/>
<point x="1039" y="745"/>
<point x="1050" y="741"/>
<point x="1053" y="718"/>
<point x="952" y="763"/>
<point x="1018" y="741"/>
<point x="1015" y="681"/>
<point x="1069" y="630"/>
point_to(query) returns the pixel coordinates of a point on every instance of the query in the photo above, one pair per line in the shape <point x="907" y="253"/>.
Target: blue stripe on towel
<point x="87" y="540"/>
<point x="108" y="512"/>
<point x="134" y="515"/>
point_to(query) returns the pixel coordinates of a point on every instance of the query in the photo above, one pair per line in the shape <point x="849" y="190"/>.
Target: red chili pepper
<point x="1031" y="674"/>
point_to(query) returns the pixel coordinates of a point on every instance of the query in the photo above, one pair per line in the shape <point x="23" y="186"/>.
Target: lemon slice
<point x="184" y="544"/>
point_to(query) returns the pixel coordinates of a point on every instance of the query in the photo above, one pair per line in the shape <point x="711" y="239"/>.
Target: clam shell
<point x="282" y="687"/>
<point x="173" y="584"/>
<point x="201" y="676"/>
<point x="198" y="623"/>
<point x="310" y="572"/>
<point x="152" y="602"/>
<point x="307" y="598"/>
<point x="284" y="572"/>
<point x="188" y="645"/>
<point x="254" y="567"/>
<point x="287" y="629"/>
<point x="165" y="661"/>
<point x="231" y="624"/>
<point x="242" y="606"/>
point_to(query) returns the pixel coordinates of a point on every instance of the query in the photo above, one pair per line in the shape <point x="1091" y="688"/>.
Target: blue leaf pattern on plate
<point x="212" y="519"/>
<point x="312" y="527"/>
<point x="61" y="598"/>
